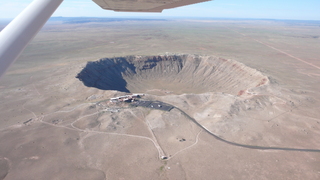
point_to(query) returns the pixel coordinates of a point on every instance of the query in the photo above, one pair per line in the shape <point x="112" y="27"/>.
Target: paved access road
<point x="167" y="107"/>
<point x="244" y="145"/>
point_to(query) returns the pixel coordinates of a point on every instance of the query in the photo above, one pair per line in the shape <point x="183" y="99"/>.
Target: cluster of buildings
<point x="126" y="98"/>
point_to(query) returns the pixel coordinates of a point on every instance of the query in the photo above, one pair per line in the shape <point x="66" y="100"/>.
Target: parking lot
<point x="154" y="105"/>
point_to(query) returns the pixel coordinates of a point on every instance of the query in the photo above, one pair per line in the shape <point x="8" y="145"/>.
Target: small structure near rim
<point x="126" y="98"/>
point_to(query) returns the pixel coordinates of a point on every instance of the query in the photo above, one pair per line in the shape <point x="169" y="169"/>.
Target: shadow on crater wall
<point x="106" y="74"/>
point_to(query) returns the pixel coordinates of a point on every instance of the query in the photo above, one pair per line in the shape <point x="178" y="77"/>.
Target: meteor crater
<point x="175" y="74"/>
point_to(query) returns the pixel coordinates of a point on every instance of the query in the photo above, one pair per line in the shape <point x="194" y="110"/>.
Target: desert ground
<point x="245" y="95"/>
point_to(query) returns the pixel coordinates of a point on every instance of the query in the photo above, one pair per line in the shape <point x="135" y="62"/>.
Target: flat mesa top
<point x="143" y="5"/>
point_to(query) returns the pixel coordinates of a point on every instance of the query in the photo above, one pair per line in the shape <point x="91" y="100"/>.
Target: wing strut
<point x="15" y="36"/>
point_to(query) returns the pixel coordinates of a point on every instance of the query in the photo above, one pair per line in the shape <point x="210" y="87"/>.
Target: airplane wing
<point x="143" y="5"/>
<point x="15" y="36"/>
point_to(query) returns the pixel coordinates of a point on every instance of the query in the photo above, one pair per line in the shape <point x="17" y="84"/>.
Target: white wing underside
<point x="143" y="5"/>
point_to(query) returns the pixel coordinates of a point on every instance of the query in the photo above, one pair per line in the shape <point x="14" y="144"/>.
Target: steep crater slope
<point x="175" y="74"/>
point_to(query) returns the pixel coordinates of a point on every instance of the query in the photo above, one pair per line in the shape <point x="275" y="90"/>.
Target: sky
<point x="257" y="9"/>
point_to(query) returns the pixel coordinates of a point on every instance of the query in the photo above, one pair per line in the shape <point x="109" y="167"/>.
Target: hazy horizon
<point x="272" y="9"/>
<point x="174" y="17"/>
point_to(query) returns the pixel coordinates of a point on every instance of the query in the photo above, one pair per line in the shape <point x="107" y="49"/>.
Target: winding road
<point x="244" y="145"/>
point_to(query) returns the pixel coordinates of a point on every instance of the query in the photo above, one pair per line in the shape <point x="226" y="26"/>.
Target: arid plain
<point x="245" y="95"/>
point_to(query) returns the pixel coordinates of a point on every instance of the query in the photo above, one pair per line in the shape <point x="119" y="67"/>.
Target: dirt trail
<point x="281" y="51"/>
